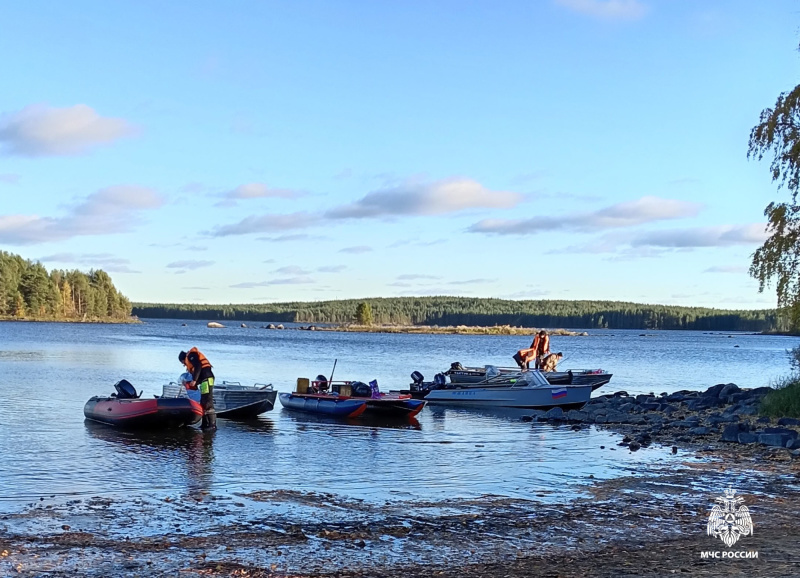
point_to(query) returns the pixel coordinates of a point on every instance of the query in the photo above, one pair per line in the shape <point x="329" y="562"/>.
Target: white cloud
<point x="267" y="224"/>
<point x="606" y="9"/>
<point x="437" y="198"/>
<point x="620" y="215"/>
<point x="256" y="191"/>
<point x="189" y="264"/>
<point x="357" y="250"/>
<point x="415" y="276"/>
<point x="39" y="130"/>
<point x="261" y="191"/>
<point x="332" y="268"/>
<point x="472" y="282"/>
<point x="718" y="236"/>
<point x="289" y="238"/>
<point x="107" y="211"/>
<point x="292" y="270"/>
<point x="416" y="242"/>
<point x="9" y="178"/>
<point x="106" y="261"/>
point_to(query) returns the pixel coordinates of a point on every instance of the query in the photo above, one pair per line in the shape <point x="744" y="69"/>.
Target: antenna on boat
<point x="332" y="370"/>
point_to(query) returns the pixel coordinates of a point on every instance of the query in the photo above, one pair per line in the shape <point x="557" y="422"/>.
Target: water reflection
<point x="192" y="448"/>
<point x="257" y="425"/>
<point x="337" y="423"/>
<point x="440" y="412"/>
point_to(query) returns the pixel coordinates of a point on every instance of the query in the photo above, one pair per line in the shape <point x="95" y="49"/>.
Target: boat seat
<point x="125" y="390"/>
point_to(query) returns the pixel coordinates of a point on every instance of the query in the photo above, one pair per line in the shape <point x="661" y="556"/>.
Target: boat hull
<point x="574" y="377"/>
<point x="568" y="397"/>
<point x="394" y="407"/>
<point x="158" y="413"/>
<point x="324" y="405"/>
<point x="232" y="402"/>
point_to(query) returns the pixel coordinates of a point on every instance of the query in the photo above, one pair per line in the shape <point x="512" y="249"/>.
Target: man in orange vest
<point x="203" y="379"/>
<point x="537" y="351"/>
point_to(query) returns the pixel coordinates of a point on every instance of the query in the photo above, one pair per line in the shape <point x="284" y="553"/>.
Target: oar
<point x="332" y="370"/>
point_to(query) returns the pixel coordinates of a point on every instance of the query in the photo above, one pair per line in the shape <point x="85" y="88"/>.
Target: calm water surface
<point x="48" y="371"/>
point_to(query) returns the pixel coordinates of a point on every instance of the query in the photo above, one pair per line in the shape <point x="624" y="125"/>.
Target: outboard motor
<point x="321" y="383"/>
<point x="125" y="390"/>
<point x="361" y="389"/>
<point x="417" y="378"/>
<point x="439" y="380"/>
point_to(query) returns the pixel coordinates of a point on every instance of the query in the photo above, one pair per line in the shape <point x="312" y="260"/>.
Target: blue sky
<point x="270" y="151"/>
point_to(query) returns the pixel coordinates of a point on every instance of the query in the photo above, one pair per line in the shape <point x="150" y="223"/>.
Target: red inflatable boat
<point x="126" y="409"/>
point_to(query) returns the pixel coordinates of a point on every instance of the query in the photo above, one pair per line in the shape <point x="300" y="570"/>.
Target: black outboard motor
<point x="125" y="390"/>
<point x="439" y="381"/>
<point x="360" y="389"/>
<point x="321" y="383"/>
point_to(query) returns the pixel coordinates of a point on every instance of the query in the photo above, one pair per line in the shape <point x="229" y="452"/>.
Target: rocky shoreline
<point x="651" y="525"/>
<point x="416" y="329"/>
<point x="722" y="415"/>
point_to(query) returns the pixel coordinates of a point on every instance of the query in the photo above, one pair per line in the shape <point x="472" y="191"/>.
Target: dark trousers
<point x="209" y="415"/>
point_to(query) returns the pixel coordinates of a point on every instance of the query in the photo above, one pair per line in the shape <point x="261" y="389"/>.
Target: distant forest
<point x="29" y="291"/>
<point x="443" y="311"/>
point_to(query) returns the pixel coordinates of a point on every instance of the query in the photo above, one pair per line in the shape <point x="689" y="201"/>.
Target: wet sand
<point x="648" y="525"/>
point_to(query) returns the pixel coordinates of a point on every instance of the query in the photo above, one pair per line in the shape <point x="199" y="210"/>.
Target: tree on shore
<point x="777" y="261"/>
<point x="364" y="314"/>
<point x="28" y="290"/>
<point x="447" y="310"/>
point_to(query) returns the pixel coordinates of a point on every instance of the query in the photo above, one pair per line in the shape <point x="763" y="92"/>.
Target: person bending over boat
<point x="550" y="362"/>
<point x="536" y="352"/>
<point x="200" y="367"/>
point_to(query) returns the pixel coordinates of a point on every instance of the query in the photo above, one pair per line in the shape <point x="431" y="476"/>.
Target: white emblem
<point x="729" y="520"/>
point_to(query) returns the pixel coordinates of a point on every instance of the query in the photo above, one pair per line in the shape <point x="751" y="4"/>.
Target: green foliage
<point x="785" y="400"/>
<point x="28" y="290"/>
<point x="482" y="312"/>
<point x="364" y="314"/>
<point x="778" y="259"/>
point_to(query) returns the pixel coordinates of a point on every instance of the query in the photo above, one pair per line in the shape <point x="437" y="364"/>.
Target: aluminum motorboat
<point x="528" y="389"/>
<point x="594" y="377"/>
<point x="232" y="400"/>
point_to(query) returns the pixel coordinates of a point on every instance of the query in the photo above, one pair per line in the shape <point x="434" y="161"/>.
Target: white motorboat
<point x="522" y="389"/>
<point x="594" y="377"/>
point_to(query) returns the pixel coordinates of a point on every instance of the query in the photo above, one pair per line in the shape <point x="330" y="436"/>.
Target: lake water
<point x="48" y="371"/>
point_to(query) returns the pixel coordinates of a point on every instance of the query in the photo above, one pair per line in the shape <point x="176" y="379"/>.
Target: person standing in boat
<point x="536" y="352"/>
<point x="200" y="367"/>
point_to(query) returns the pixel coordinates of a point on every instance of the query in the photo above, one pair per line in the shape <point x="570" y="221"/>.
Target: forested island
<point x="29" y="292"/>
<point x="452" y="311"/>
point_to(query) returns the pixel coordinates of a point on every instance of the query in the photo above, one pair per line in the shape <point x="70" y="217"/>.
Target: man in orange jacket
<point x="537" y="351"/>
<point x="203" y="379"/>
